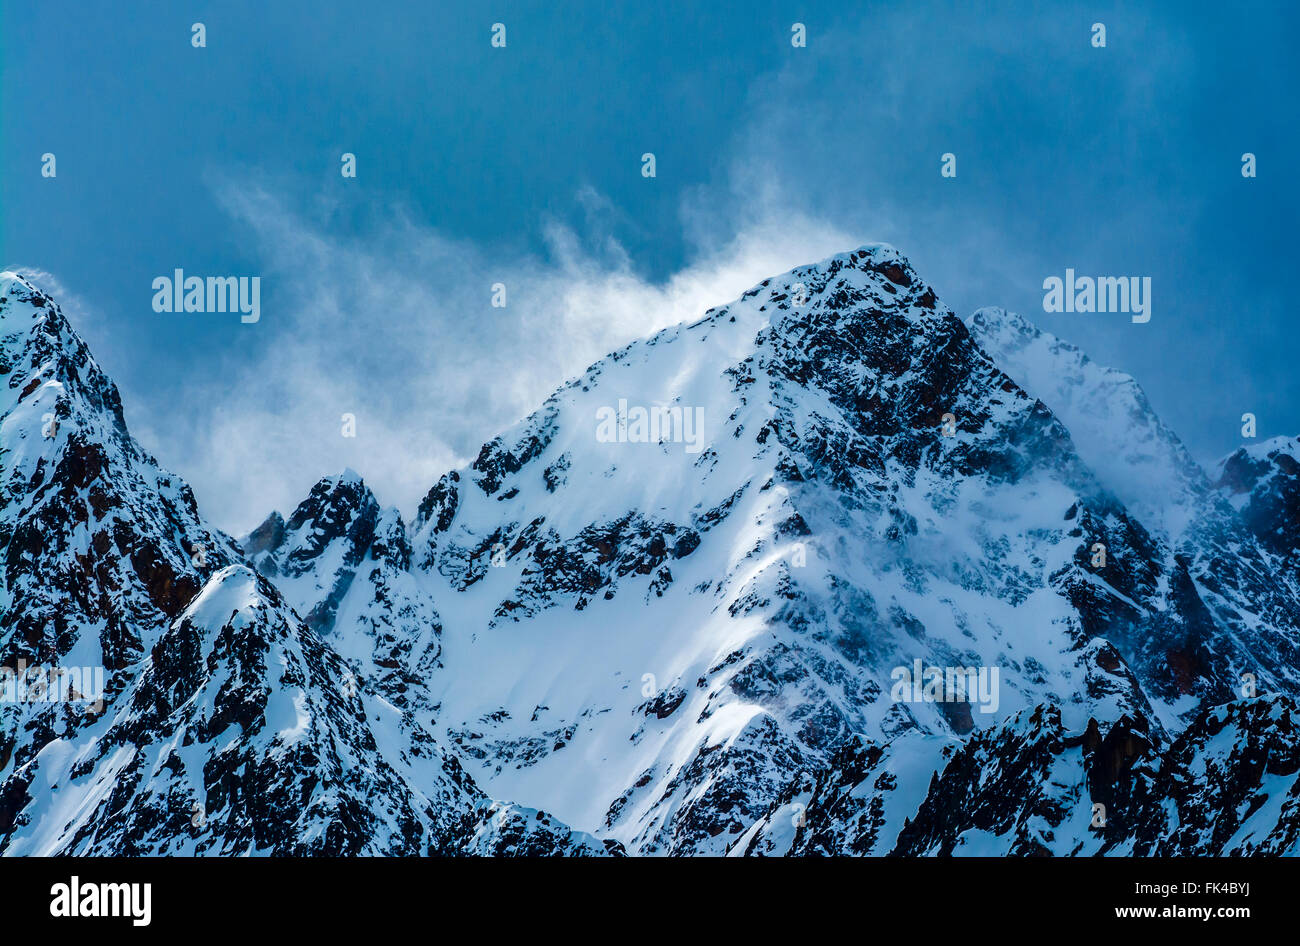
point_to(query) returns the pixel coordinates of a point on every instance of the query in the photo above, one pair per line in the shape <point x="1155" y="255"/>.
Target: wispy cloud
<point x="391" y="319"/>
<point x="83" y="316"/>
<point x="396" y="327"/>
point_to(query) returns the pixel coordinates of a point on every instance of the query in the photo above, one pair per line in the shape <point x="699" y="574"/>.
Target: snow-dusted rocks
<point x="513" y="831"/>
<point x="1229" y="785"/>
<point x="227" y="724"/>
<point x="238" y="736"/>
<point x="1233" y="574"/>
<point x="1263" y="483"/>
<point x="679" y="609"/>
<point x="100" y="548"/>
<point x="344" y="564"/>
<point x="712" y="625"/>
<point x="103" y="547"/>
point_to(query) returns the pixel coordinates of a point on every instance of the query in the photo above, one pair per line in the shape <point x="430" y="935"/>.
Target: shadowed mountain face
<point x="682" y="605"/>
<point x="1240" y="566"/>
<point x="1263" y="483"/>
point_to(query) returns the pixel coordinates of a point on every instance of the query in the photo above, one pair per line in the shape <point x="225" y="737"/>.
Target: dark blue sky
<point x="522" y="165"/>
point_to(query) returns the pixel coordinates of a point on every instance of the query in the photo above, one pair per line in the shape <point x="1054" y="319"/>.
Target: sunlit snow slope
<point x="669" y="608"/>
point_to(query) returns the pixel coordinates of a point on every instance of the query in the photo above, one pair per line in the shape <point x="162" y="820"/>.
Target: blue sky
<point x="522" y="165"/>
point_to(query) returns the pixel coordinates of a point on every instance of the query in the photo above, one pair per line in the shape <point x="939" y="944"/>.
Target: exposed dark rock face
<point x="1263" y="481"/>
<point x="262" y="543"/>
<point x="225" y="724"/>
<point x="1226" y="786"/>
<point x="869" y="483"/>
<point x="710" y="626"/>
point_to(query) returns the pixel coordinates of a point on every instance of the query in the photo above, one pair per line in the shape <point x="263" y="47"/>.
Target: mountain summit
<point x="697" y="601"/>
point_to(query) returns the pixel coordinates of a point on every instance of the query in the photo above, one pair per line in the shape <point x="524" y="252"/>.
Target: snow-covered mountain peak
<point x="314" y="554"/>
<point x="343" y="563"/>
<point x="1001" y="331"/>
<point x="50" y="376"/>
<point x="1240" y="579"/>
<point x="670" y="608"/>
<point x="1262" y="482"/>
<point x="875" y="272"/>
<point x="85" y="510"/>
<point x="349" y="478"/>
<point x="24" y="305"/>
<point x="762" y="515"/>
<point x="1113" y="425"/>
<point x="1240" y="470"/>
<point x="30" y="304"/>
<point x="673" y="392"/>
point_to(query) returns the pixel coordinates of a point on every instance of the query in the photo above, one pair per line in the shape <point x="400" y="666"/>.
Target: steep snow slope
<point x="1241" y="568"/>
<point x="675" y="629"/>
<point x="1109" y="418"/>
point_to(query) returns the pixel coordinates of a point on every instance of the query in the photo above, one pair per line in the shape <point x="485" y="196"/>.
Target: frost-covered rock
<point x="227" y="724"/>
<point x="715" y="617"/>
<point x="669" y="610"/>
<point x="344" y="564"/>
<point x="1263" y="483"/>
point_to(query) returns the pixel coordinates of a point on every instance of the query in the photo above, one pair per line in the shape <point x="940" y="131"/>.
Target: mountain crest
<point x="728" y="561"/>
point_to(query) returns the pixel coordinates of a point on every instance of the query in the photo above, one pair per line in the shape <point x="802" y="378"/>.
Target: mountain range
<point x="695" y="604"/>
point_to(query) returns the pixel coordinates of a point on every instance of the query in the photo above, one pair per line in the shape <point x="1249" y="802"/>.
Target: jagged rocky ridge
<point x="227" y="725"/>
<point x="688" y="647"/>
<point x="1226" y="785"/>
<point x="1263" y="483"/>
<point x="344" y="563"/>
